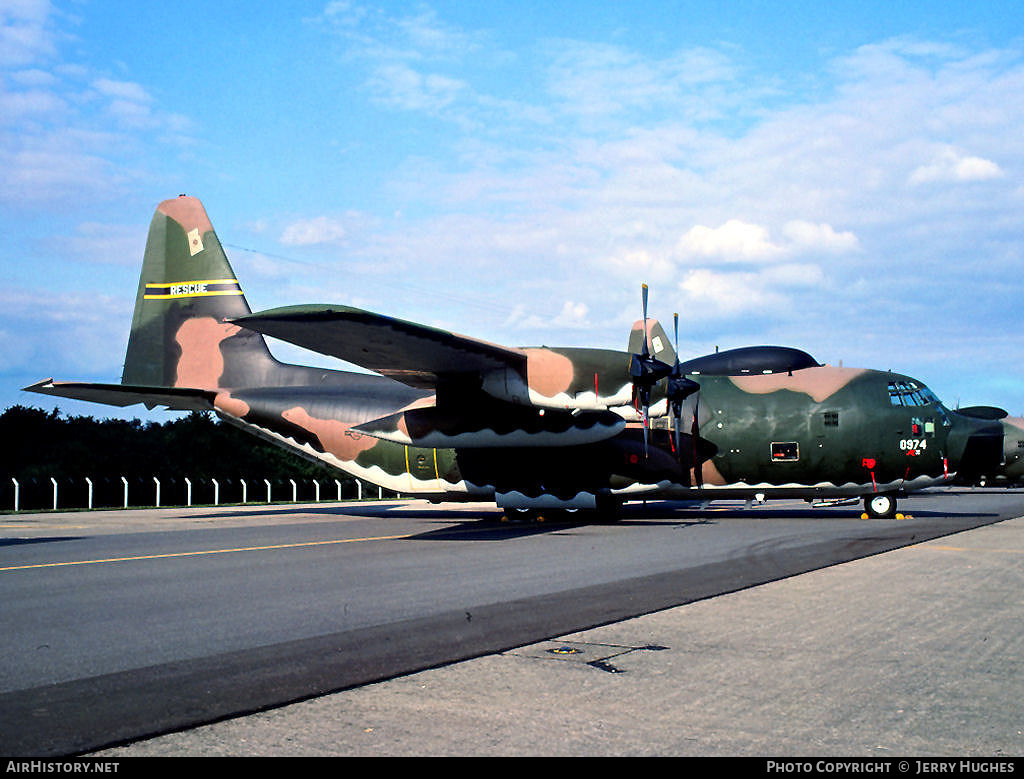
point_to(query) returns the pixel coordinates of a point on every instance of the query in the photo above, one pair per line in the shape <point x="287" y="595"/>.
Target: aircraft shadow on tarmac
<point x="479" y="519"/>
<point x="43" y="540"/>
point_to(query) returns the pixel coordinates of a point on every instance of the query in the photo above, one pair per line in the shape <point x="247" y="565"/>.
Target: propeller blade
<point x="645" y="372"/>
<point x="645" y="430"/>
<point x="677" y="406"/>
<point x="694" y="434"/>
<point x="675" y="324"/>
<point x="675" y="435"/>
<point x="646" y="353"/>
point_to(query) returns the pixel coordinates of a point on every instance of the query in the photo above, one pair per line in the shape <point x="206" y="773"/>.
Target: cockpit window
<point x="910" y="393"/>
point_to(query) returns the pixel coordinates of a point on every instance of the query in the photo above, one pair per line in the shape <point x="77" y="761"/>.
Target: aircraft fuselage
<point x="817" y="432"/>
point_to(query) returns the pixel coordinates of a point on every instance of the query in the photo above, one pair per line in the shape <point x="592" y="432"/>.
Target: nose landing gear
<point x="881" y="506"/>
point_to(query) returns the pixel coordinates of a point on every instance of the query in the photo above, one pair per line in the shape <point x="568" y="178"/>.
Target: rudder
<point x="180" y="335"/>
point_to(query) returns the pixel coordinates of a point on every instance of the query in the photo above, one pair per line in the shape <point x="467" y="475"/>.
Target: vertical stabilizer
<point x="180" y="334"/>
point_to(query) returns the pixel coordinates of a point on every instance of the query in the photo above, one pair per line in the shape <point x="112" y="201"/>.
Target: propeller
<point x="679" y="388"/>
<point x="645" y="371"/>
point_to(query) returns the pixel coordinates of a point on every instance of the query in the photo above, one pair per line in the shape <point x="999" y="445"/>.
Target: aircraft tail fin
<point x="181" y="336"/>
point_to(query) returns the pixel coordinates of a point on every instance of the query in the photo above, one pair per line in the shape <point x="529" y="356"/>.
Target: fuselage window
<point x="784" y="451"/>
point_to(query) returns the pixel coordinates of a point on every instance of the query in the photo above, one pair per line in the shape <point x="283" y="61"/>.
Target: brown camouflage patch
<point x="818" y="383"/>
<point x="336" y="437"/>
<point x="188" y="212"/>
<point x="234" y="406"/>
<point x="548" y="372"/>
<point x="709" y="475"/>
<point x="201" y="364"/>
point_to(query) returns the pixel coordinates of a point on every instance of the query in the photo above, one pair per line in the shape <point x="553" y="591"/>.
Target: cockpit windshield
<point x="910" y="393"/>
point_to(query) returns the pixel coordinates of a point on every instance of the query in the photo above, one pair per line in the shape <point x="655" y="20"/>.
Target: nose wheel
<point x="880" y="506"/>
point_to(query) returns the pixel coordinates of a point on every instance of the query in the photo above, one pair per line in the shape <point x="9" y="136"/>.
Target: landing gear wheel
<point x="516" y="514"/>
<point x="880" y="506"/>
<point x="607" y="509"/>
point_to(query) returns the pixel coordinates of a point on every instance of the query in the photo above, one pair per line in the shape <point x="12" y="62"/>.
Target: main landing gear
<point x="606" y="511"/>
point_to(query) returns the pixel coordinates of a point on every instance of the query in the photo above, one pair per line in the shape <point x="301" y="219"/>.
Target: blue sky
<point x="841" y="177"/>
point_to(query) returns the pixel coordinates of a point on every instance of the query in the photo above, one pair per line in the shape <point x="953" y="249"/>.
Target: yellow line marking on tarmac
<point x="203" y="552"/>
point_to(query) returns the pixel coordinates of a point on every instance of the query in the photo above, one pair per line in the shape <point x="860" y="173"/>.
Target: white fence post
<point x="91" y="491"/>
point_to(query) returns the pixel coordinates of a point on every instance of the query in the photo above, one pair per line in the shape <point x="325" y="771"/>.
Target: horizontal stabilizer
<point x="175" y="399"/>
<point x="408" y="352"/>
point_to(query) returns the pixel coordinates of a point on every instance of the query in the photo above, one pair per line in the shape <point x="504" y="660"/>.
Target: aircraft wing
<point x="174" y="398"/>
<point x="411" y="353"/>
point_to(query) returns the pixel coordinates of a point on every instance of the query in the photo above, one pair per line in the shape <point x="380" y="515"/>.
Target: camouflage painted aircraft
<point x="447" y="417"/>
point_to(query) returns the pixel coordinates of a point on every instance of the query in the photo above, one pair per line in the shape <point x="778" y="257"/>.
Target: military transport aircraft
<point x="447" y="417"/>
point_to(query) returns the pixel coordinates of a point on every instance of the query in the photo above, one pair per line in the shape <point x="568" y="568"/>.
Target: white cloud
<point x="734" y="241"/>
<point x="739" y="241"/>
<point x="573" y="315"/>
<point x="950" y="165"/>
<point x="642" y="264"/>
<point x="307" y="232"/>
<point x="603" y="79"/>
<point x="58" y="143"/>
<point x="29" y="105"/>
<point x="399" y="86"/>
<point x="26" y="34"/>
<point x="46" y="173"/>
<point x="97" y="242"/>
<point x="710" y="293"/>
<point x="82" y="333"/>
<point x="805" y="236"/>
<point x="122" y="90"/>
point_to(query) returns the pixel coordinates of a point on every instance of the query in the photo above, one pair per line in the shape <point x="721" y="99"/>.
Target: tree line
<point x="39" y="446"/>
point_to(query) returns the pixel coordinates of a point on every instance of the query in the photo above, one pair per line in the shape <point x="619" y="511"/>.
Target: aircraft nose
<point x="975" y="447"/>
